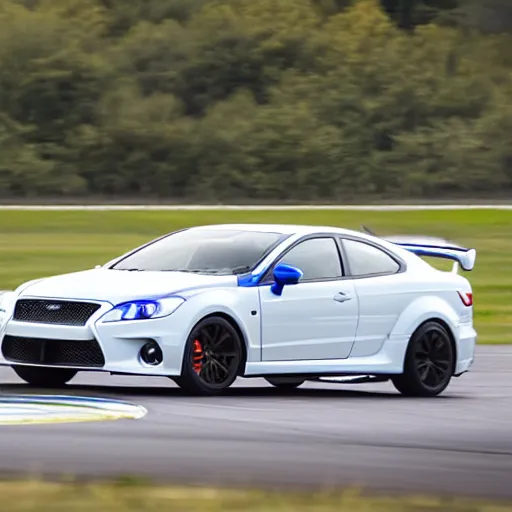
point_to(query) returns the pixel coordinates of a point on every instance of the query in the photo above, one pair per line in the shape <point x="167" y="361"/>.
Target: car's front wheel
<point x="429" y="362"/>
<point x="212" y="359"/>
<point x="44" y="377"/>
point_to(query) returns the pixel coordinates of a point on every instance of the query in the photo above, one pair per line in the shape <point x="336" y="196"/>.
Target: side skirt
<point x="388" y="361"/>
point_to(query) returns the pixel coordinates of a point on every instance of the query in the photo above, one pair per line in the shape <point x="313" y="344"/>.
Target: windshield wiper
<point x="202" y="270"/>
<point x="237" y="270"/>
<point x="243" y="269"/>
<point x="192" y="270"/>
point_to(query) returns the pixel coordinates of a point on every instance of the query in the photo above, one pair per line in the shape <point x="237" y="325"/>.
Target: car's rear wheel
<point x="44" y="377"/>
<point x="429" y="362"/>
<point x="285" y="382"/>
<point x="212" y="359"/>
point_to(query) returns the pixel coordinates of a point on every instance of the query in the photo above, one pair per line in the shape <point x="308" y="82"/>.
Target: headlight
<point x="143" y="309"/>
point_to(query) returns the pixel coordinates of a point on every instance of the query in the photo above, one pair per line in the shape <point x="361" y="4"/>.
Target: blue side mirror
<point x="285" y="275"/>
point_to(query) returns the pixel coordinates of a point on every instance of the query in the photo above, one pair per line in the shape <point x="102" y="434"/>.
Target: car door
<point x="315" y="318"/>
<point x="382" y="290"/>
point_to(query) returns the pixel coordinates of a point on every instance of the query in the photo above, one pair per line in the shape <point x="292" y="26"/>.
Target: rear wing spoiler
<point x="435" y="248"/>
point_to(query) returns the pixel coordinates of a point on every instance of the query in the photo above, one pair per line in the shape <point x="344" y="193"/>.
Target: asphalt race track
<point x="317" y="435"/>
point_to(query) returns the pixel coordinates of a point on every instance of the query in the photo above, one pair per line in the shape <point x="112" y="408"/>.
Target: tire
<point x="429" y="362"/>
<point x="212" y="359"/>
<point x="285" y="382"/>
<point x="44" y="377"/>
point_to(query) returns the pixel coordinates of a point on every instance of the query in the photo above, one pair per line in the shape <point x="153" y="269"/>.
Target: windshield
<point x="198" y="250"/>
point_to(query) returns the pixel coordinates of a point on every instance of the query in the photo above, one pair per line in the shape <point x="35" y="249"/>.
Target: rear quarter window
<point x="365" y="259"/>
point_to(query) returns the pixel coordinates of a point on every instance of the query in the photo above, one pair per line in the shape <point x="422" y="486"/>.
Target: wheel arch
<point x="423" y="309"/>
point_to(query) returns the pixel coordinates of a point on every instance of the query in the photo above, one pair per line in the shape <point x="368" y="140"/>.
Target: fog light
<point x="151" y="353"/>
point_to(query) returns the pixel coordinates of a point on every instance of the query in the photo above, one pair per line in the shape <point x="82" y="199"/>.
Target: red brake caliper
<point x="197" y="356"/>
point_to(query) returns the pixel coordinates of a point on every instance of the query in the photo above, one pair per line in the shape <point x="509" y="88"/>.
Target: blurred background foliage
<point x="262" y="100"/>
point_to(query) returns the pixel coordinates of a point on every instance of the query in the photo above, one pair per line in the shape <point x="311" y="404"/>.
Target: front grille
<point x="60" y="312"/>
<point x="52" y="352"/>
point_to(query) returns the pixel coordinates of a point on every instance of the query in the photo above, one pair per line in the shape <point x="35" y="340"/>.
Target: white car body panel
<point x="114" y="287"/>
<point x="303" y="331"/>
<point x="378" y="314"/>
<point x="305" y="323"/>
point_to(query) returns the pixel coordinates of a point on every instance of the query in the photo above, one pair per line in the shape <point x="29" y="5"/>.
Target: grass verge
<point x="57" y="497"/>
<point x="43" y="243"/>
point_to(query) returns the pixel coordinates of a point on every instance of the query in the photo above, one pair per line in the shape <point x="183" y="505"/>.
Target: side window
<point x="365" y="259"/>
<point x="318" y="258"/>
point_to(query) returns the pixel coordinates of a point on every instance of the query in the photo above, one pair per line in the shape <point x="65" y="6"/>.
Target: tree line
<point x="261" y="100"/>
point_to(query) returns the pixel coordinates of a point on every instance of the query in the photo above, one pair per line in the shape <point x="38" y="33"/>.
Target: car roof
<point x="284" y="229"/>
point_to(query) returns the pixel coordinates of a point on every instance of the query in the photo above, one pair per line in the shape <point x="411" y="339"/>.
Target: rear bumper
<point x="466" y="345"/>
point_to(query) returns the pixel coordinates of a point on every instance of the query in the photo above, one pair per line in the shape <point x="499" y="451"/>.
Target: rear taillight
<point x="466" y="298"/>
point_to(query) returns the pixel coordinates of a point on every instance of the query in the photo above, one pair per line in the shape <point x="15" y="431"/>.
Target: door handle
<point x="342" y="297"/>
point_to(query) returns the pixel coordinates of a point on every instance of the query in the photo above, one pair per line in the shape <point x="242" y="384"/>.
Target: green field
<point x="43" y="243"/>
<point x="45" y="497"/>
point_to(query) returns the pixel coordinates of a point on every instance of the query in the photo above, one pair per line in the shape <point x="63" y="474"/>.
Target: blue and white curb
<point x="44" y="409"/>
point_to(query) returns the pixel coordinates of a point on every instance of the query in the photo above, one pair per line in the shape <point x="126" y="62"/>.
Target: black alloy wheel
<point x="429" y="362"/>
<point x="212" y="359"/>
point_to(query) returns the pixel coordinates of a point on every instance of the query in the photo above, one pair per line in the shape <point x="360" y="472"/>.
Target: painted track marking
<point x="44" y="409"/>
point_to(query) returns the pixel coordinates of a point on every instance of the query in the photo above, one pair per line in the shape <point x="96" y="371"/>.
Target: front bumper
<point x="113" y="347"/>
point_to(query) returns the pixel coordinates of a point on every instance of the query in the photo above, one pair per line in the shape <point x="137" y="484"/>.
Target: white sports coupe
<point x="288" y="303"/>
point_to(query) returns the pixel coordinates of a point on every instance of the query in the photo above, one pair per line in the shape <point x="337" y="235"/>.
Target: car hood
<point x="116" y="286"/>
